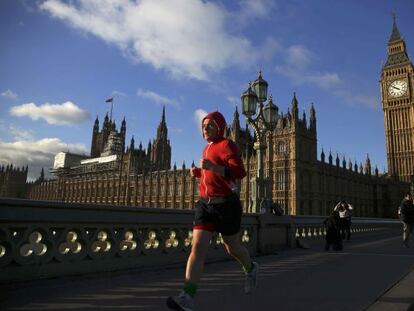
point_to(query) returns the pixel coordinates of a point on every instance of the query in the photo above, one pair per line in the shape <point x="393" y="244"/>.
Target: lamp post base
<point x="261" y="201"/>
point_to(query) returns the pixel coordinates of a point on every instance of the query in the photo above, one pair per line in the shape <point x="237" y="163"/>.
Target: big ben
<point x="397" y="88"/>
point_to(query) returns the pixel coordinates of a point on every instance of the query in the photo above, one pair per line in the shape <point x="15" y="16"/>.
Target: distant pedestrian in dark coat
<point x="407" y="217"/>
<point x="333" y="233"/>
<point x="344" y="209"/>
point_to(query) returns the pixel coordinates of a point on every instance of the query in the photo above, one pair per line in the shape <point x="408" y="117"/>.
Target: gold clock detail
<point x="397" y="88"/>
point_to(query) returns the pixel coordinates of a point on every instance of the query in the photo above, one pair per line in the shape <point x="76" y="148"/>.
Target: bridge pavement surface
<point x="373" y="272"/>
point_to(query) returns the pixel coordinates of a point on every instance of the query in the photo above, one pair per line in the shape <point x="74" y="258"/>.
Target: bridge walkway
<point x="374" y="272"/>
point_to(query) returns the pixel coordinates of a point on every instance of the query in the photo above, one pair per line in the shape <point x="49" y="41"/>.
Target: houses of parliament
<point x="300" y="183"/>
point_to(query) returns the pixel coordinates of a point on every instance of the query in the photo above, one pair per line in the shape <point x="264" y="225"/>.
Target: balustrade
<point x="44" y="238"/>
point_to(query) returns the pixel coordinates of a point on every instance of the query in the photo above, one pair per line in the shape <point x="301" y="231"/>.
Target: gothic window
<point x="281" y="181"/>
<point x="281" y="147"/>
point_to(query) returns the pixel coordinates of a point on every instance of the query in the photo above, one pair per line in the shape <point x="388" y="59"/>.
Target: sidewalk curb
<point x="399" y="297"/>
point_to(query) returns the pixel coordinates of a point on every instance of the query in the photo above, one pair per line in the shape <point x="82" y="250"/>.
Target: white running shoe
<point x="250" y="282"/>
<point x="182" y="302"/>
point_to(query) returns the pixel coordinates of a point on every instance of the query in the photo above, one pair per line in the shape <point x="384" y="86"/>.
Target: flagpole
<point x="112" y="106"/>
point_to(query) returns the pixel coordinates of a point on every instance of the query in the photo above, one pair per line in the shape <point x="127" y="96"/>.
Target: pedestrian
<point x="218" y="210"/>
<point x="344" y="209"/>
<point x="333" y="233"/>
<point x="407" y="217"/>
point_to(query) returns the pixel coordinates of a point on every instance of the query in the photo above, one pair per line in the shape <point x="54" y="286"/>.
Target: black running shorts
<point x="223" y="217"/>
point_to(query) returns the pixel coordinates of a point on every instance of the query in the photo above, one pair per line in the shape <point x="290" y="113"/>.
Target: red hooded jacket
<point x="224" y="152"/>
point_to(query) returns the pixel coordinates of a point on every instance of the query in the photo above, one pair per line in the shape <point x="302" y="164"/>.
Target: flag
<point x="109" y="100"/>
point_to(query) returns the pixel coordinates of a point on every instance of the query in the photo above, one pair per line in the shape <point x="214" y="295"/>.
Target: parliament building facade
<point x="301" y="183"/>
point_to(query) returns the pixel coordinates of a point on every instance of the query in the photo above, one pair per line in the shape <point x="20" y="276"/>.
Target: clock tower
<point x="397" y="96"/>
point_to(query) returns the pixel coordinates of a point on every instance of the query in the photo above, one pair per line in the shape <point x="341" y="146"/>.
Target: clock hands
<point x="397" y="88"/>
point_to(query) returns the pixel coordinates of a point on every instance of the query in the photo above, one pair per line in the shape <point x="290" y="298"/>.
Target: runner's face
<point x="210" y="130"/>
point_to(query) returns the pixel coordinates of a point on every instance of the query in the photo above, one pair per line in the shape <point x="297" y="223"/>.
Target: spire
<point x="397" y="51"/>
<point x="42" y="175"/>
<point x="367" y="166"/>
<point x="106" y="122"/>
<point x="312" y="118"/>
<point x="294" y="106"/>
<point x="395" y="35"/>
<point x="330" y="157"/>
<point x="123" y="126"/>
<point x="323" y="156"/>
<point x="304" y="118"/>
<point x="132" y="144"/>
<point x="236" y="120"/>
<point x="96" y="125"/>
<point x="162" y="131"/>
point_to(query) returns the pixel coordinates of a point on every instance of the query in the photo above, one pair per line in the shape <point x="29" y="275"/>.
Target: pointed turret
<point x="132" y="144"/>
<point x="395" y="34"/>
<point x="106" y="124"/>
<point x="96" y="125"/>
<point x="42" y="175"/>
<point x="294" y="107"/>
<point x="367" y="167"/>
<point x="123" y="126"/>
<point x="330" y="157"/>
<point x="337" y="161"/>
<point x="323" y="156"/>
<point x="397" y="52"/>
<point x="343" y="162"/>
<point x="304" y="118"/>
<point x="236" y="120"/>
<point x="312" y="118"/>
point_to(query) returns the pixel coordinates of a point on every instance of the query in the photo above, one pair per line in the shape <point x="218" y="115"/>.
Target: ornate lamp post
<point x="262" y="119"/>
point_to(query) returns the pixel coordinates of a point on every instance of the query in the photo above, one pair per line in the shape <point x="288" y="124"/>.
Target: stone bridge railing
<point x="311" y="227"/>
<point x="40" y="239"/>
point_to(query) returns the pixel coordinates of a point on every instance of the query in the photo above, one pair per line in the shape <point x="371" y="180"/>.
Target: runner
<point x="219" y="209"/>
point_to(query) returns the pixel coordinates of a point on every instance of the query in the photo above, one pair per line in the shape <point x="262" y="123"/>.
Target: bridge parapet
<point x="40" y="239"/>
<point x="311" y="227"/>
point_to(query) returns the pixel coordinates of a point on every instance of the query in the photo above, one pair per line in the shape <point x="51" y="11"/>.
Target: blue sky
<point x="60" y="60"/>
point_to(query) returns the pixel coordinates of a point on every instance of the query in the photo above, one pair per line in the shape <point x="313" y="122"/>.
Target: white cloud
<point x="186" y="38"/>
<point x="296" y="63"/>
<point x="61" y="114"/>
<point x="9" y="94"/>
<point x="37" y="154"/>
<point x="176" y="130"/>
<point x="256" y="8"/>
<point x="234" y="101"/>
<point x="359" y="99"/>
<point x="118" y="93"/>
<point x="20" y="134"/>
<point x="324" y="80"/>
<point x="299" y="56"/>
<point x="157" y="98"/>
<point x="198" y="116"/>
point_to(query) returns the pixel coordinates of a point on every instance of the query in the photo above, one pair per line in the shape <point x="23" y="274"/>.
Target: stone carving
<point x="34" y="246"/>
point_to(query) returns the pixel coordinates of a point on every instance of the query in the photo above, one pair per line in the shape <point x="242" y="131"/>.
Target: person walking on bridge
<point x="407" y="217"/>
<point x="218" y="210"/>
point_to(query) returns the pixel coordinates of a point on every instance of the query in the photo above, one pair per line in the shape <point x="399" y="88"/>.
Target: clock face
<point x="397" y="88"/>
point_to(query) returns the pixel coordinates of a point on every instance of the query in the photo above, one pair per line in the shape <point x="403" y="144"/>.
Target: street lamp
<point x="262" y="119"/>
